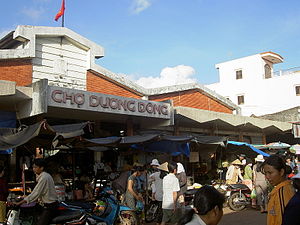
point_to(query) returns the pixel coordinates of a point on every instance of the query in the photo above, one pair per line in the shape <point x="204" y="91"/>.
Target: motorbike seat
<point x="191" y="191"/>
<point x="238" y="186"/>
<point x="65" y="216"/>
<point x="82" y="205"/>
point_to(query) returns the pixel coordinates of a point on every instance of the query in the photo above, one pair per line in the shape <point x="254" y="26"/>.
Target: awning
<point x="70" y="136"/>
<point x="248" y="147"/>
<point x="14" y="137"/>
<point x="229" y="122"/>
<point x="170" y="147"/>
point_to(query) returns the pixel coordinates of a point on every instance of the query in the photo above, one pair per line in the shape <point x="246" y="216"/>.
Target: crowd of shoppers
<point x="168" y="183"/>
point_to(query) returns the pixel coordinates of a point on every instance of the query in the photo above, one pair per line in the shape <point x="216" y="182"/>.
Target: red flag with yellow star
<point x="61" y="11"/>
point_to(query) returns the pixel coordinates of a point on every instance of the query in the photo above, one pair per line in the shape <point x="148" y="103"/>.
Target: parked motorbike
<point x="151" y="210"/>
<point x="26" y="215"/>
<point x="238" y="196"/>
<point x="189" y="196"/>
<point x="106" y="210"/>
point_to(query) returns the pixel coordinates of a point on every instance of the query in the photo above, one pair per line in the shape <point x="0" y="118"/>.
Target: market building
<point x="50" y="73"/>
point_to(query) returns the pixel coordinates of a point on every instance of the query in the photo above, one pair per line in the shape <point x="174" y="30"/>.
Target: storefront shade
<point x="14" y="137"/>
<point x="173" y="148"/>
<point x="249" y="148"/>
<point x="7" y="120"/>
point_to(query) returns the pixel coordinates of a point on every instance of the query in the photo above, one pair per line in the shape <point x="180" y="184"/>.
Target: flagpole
<point x="63" y="16"/>
<point x="63" y="20"/>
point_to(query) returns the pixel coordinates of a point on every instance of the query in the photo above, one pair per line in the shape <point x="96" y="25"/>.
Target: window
<point x="297" y="88"/>
<point x="268" y="71"/>
<point x="239" y="74"/>
<point x="241" y="100"/>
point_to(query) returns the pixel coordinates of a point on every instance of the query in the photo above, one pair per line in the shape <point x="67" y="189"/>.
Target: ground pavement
<point x="245" y="217"/>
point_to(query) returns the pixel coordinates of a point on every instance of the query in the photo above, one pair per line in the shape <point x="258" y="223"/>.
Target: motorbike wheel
<point x="127" y="218"/>
<point x="150" y="212"/>
<point x="233" y="199"/>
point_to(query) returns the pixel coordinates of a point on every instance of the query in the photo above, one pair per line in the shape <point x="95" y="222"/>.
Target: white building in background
<point x="251" y="83"/>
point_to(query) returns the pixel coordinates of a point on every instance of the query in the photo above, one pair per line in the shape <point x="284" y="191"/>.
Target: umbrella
<point x="295" y="149"/>
<point x="277" y="145"/>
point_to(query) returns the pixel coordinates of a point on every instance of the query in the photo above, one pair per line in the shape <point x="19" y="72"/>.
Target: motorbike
<point x="151" y="210"/>
<point x="26" y="215"/>
<point x="238" y="196"/>
<point x="106" y="210"/>
<point x="189" y="196"/>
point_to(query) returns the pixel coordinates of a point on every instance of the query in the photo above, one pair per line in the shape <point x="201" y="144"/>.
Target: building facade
<point x="251" y="83"/>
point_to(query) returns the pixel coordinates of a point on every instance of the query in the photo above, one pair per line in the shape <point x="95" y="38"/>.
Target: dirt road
<point x="245" y="217"/>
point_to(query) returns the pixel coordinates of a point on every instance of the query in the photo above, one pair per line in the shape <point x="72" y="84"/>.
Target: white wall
<point x="261" y="96"/>
<point x="61" y="62"/>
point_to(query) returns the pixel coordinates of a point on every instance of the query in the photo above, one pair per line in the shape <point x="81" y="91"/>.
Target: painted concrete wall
<point x="61" y="62"/>
<point x="262" y="96"/>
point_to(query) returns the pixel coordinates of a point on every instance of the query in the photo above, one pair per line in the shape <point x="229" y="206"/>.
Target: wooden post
<point x="129" y="127"/>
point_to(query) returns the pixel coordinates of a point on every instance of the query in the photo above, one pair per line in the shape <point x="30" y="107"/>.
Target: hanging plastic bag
<point x="253" y="194"/>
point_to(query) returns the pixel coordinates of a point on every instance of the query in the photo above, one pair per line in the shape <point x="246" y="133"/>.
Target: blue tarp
<point x="248" y="145"/>
<point x="7" y="120"/>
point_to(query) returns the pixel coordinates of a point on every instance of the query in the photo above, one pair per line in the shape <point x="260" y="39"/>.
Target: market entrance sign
<point x="91" y="101"/>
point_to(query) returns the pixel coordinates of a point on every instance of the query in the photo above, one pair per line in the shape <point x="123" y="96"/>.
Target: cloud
<point x="180" y="74"/>
<point x="33" y="13"/>
<point x="140" y="5"/>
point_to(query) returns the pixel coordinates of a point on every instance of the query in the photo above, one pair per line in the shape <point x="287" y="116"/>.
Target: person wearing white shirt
<point x="157" y="189"/>
<point x="171" y="212"/>
<point x="208" y="208"/>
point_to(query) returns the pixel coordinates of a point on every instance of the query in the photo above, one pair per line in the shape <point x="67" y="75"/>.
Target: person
<point x="242" y="158"/>
<point x="224" y="170"/>
<point x="132" y="195"/>
<point x="181" y="175"/>
<point x="107" y="166"/>
<point x="120" y="183"/>
<point x="157" y="189"/>
<point x="154" y="164"/>
<point x="234" y="172"/>
<point x="88" y="192"/>
<point x="208" y="208"/>
<point x="44" y="192"/>
<point x="290" y="163"/>
<point x="171" y="212"/>
<point x="291" y="214"/>
<point x="152" y="170"/>
<point x="260" y="184"/>
<point x="276" y="172"/>
<point x="3" y="195"/>
<point x="248" y="174"/>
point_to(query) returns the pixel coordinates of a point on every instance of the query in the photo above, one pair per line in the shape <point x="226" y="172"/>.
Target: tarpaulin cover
<point x="16" y="137"/>
<point x="217" y="140"/>
<point x="119" y="141"/>
<point x="108" y="141"/>
<point x="249" y="146"/>
<point x="170" y="147"/>
<point x="7" y="119"/>
<point x="67" y="131"/>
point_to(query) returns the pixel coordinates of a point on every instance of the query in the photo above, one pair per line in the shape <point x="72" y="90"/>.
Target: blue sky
<point x="157" y="41"/>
